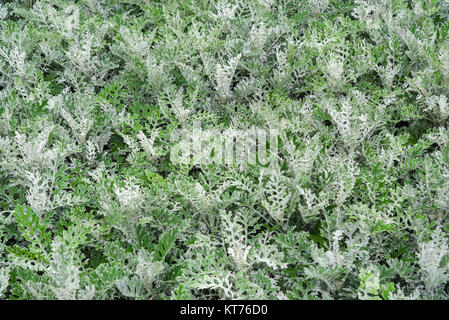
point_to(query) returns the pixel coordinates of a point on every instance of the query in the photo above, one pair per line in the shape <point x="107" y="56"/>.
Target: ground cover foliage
<point x="92" y="207"/>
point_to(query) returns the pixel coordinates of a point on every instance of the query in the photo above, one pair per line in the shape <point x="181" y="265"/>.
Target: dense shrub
<point x="94" y="95"/>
